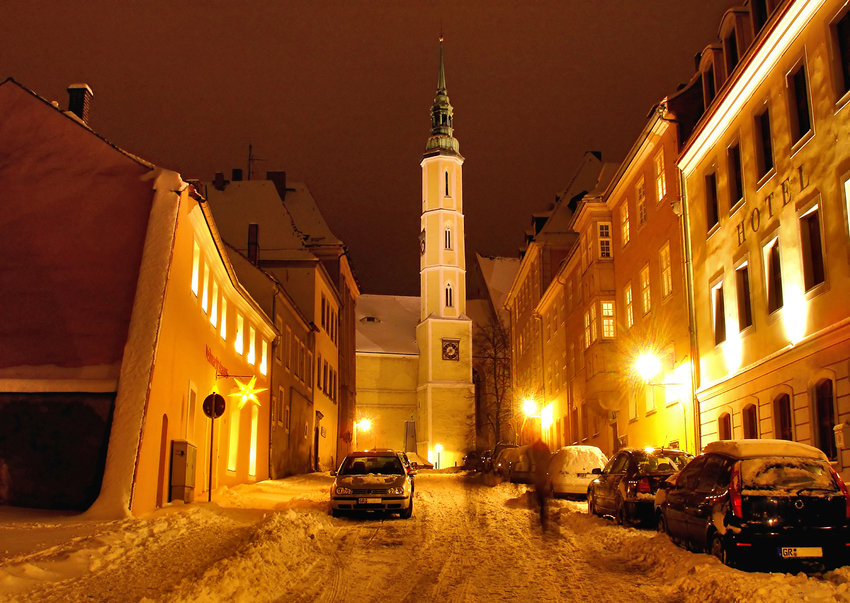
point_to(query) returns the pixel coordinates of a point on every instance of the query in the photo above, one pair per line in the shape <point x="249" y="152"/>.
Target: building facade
<point x="766" y="171"/>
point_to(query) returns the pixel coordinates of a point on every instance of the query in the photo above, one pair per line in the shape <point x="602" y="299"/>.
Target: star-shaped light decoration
<point x="246" y="392"/>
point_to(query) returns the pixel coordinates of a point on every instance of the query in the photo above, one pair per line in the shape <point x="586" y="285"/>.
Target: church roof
<point x="498" y="273"/>
<point x="386" y="324"/>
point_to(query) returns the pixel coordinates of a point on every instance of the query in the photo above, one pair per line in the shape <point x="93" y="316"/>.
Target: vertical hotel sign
<point x="220" y="369"/>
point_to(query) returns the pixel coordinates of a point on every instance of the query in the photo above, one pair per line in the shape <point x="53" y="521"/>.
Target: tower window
<point x="447" y="184"/>
<point x="448" y="237"/>
<point x="449" y="300"/>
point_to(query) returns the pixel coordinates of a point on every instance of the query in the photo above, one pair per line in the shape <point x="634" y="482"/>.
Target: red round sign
<point x="214" y="406"/>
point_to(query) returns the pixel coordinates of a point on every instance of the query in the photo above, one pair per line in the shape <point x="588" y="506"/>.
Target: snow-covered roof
<point x="247" y="202"/>
<point x="386" y="324"/>
<point x="309" y="221"/>
<point x="751" y="448"/>
<point x="498" y="273"/>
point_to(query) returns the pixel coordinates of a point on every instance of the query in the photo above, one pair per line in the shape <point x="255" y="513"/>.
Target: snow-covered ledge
<point x="139" y="353"/>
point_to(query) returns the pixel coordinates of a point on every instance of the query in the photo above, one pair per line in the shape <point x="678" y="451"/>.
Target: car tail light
<point x="735" y="490"/>
<point x="643" y="486"/>
<point x="844" y="491"/>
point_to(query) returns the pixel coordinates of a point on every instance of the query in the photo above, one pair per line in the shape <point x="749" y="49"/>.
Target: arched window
<point x="448" y="237"/>
<point x="724" y="426"/>
<point x="447" y="184"/>
<point x="782" y="416"/>
<point x="825" y="417"/>
<point x="751" y="428"/>
<point x="449" y="300"/>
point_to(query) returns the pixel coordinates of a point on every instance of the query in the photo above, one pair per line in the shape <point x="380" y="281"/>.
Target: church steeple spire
<point x="442" y="139"/>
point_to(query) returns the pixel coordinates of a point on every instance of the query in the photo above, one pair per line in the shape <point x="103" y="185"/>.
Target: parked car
<point x="626" y="487"/>
<point x="372" y="481"/>
<point x="500" y="465"/>
<point x="571" y="469"/>
<point x="520" y="466"/>
<point x="474" y="460"/>
<point x="759" y="501"/>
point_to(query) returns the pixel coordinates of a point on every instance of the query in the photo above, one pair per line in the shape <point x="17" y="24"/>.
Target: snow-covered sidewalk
<point x="275" y="540"/>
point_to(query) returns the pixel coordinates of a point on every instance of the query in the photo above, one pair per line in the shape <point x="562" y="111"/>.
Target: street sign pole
<point x="213" y="408"/>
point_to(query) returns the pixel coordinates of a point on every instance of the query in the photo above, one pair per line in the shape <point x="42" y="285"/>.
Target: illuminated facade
<point x="121" y="318"/>
<point x="766" y="171"/>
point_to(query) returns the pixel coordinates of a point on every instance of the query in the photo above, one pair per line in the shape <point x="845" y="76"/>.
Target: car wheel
<point x="719" y="550"/>
<point x="406" y="513"/>
<point x="620" y="516"/>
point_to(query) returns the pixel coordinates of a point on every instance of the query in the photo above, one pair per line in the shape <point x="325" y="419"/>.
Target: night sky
<point x="337" y="93"/>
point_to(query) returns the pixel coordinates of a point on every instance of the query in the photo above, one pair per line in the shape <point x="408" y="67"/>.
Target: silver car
<point x="372" y="481"/>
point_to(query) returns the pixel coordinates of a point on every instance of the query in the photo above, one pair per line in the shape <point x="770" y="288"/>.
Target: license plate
<point x="368" y="501"/>
<point x="796" y="552"/>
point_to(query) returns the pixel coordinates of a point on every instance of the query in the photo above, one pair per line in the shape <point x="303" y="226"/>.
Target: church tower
<point x="445" y="422"/>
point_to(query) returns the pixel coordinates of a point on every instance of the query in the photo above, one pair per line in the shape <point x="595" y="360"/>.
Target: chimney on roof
<point x="253" y="243"/>
<point x="279" y="180"/>
<point x="79" y="100"/>
<point x="219" y="183"/>
<point x="236" y="175"/>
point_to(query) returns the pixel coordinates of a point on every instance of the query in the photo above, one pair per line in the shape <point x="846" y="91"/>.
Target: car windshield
<point x="787" y="473"/>
<point x="660" y="461"/>
<point x="381" y="465"/>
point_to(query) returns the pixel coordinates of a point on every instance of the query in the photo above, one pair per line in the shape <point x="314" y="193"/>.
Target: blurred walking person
<point x="540" y="456"/>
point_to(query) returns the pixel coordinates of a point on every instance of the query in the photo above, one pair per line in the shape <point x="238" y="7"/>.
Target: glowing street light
<point x="529" y="407"/>
<point x="364" y="425"/>
<point x="647" y="366"/>
<point x="438" y="448"/>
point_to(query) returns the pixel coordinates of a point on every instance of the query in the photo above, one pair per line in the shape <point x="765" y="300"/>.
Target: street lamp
<point x="648" y="366"/>
<point x="364" y="425"/>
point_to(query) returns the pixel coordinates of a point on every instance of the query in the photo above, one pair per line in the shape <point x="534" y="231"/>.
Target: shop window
<point x="252" y="456"/>
<point x="798" y="101"/>
<point x="745" y="311"/>
<point x="233" y="439"/>
<point x="239" y="343"/>
<point x="736" y="183"/>
<point x="214" y="309"/>
<point x="223" y="330"/>
<point x="712" y="212"/>
<point x="252" y="345"/>
<point x="825" y="409"/>
<point x="750" y="422"/>
<point x="764" y="143"/>
<point x="724" y="426"/>
<point x="812" y="248"/>
<point x="782" y="417"/>
<point x="773" y="275"/>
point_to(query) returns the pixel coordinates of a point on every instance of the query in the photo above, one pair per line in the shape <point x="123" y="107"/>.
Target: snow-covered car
<point x="759" y="502"/>
<point x="502" y="465"/>
<point x="372" y="481"/>
<point x="626" y="487"/>
<point x="571" y="469"/>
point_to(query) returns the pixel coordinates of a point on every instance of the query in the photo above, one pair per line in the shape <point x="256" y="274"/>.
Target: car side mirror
<point x="596" y="471"/>
<point x="412" y="472"/>
<point x="332" y="472"/>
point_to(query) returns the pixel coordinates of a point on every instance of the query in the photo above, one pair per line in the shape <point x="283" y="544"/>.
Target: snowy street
<point x="466" y="541"/>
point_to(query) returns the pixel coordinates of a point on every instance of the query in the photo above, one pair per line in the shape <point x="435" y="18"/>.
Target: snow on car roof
<point x="749" y="448"/>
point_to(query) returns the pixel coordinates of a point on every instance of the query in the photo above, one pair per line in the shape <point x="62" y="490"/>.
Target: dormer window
<point x="730" y="51"/>
<point x="708" y="88"/>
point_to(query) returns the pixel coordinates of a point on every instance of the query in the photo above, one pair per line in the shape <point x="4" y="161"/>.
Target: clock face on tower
<point x="451" y="349"/>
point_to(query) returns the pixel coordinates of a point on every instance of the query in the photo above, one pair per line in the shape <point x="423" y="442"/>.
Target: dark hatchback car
<point x="759" y="502"/>
<point x="626" y="487"/>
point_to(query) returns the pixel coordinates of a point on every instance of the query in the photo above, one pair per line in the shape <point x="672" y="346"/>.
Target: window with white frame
<point x="604" y="231"/>
<point x="587" y="329"/>
<point x="593" y="327"/>
<point x="660" y="181"/>
<point x="624" y="221"/>
<point x="645" y="296"/>
<point x="627" y="305"/>
<point x="666" y="271"/>
<point x="608" y="324"/>
<point x="640" y="194"/>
